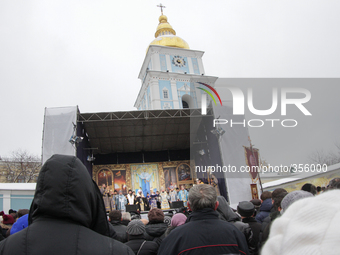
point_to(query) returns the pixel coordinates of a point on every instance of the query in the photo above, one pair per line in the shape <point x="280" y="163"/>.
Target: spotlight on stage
<point x="76" y="139"/>
<point x="201" y="152"/>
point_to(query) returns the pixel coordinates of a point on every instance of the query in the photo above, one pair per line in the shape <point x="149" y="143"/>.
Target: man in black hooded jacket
<point x="67" y="215"/>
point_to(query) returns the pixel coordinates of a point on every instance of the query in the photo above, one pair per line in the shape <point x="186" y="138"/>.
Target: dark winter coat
<point x="256" y="228"/>
<point x="148" y="248"/>
<point x="126" y="222"/>
<point x="265" y="208"/>
<point x="267" y="220"/>
<point x="225" y="211"/>
<point x="120" y="230"/>
<point x="264" y="234"/>
<point x="67" y="215"/>
<point x="1" y="236"/>
<point x="4" y="229"/>
<point x="155" y="231"/>
<point x="204" y="233"/>
<point x="168" y="231"/>
<point x="227" y="214"/>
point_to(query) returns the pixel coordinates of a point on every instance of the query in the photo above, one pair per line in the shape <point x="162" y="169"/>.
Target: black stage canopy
<point x="138" y="131"/>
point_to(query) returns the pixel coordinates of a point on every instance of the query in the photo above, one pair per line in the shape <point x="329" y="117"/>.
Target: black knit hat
<point x="246" y="209"/>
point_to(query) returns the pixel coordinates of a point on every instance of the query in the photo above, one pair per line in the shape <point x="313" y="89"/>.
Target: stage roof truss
<point x="138" y="131"/>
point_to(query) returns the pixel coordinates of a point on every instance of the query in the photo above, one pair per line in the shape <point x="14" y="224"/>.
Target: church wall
<point x="156" y="64"/>
<point x="154" y="90"/>
<point x="149" y="98"/>
<point x="162" y="60"/>
<point x="168" y="63"/>
<point x="191" y="70"/>
<point x="200" y="66"/>
<point x="167" y="105"/>
<point x="195" y="66"/>
<point x="175" y="95"/>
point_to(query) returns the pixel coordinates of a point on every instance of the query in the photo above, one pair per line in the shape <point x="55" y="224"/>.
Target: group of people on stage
<point x="114" y="200"/>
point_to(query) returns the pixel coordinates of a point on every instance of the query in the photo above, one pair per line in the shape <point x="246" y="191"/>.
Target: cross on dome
<point x="161" y="6"/>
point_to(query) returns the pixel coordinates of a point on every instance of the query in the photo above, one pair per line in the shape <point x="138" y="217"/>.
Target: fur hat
<point x="246" y="209"/>
<point x="135" y="228"/>
<point x="156" y="215"/>
<point x="7" y="219"/>
<point x="308" y="226"/>
<point x="292" y="197"/>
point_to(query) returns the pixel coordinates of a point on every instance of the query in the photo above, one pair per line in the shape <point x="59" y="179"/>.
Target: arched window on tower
<point x="185" y="104"/>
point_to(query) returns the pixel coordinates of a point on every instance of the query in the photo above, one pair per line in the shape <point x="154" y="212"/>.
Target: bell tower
<point x="170" y="72"/>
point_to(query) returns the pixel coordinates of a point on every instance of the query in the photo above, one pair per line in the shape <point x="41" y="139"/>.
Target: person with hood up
<point x="67" y="215"/>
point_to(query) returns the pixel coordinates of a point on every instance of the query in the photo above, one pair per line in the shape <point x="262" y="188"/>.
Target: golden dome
<point x="166" y="36"/>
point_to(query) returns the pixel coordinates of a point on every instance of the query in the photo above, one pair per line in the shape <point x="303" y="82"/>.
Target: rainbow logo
<point x="204" y="100"/>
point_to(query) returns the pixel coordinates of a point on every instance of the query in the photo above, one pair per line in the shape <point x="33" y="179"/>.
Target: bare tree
<point x="21" y="166"/>
<point x="328" y="158"/>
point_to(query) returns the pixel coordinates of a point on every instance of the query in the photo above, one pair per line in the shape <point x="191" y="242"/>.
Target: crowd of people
<point x="116" y="200"/>
<point x="68" y="216"/>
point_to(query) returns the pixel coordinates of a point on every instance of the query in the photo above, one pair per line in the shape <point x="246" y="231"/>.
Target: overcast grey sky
<point x="89" y="53"/>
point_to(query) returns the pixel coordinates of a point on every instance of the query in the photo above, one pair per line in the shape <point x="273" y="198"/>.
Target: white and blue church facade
<point x="170" y="73"/>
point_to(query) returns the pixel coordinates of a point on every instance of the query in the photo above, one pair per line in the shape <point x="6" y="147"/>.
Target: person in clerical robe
<point x="147" y="202"/>
<point x="121" y="202"/>
<point x="173" y="195"/>
<point x="106" y="194"/>
<point x="172" y="186"/>
<point x="153" y="200"/>
<point x="140" y="199"/>
<point x="183" y="195"/>
<point x="131" y="198"/>
<point x="164" y="197"/>
<point x="158" y="200"/>
<point x="144" y="181"/>
<point x="113" y="200"/>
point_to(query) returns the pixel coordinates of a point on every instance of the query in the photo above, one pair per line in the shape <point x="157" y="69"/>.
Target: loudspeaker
<point x="131" y="208"/>
<point x="177" y="204"/>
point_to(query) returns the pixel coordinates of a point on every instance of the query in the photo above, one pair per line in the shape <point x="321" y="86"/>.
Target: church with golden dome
<point x="170" y="72"/>
<point x="163" y="143"/>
